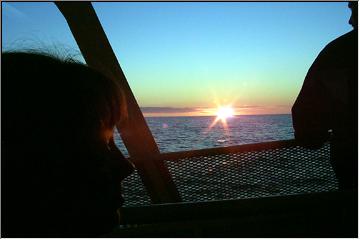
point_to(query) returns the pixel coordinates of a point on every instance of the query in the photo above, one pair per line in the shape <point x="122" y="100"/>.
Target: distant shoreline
<point x="243" y="115"/>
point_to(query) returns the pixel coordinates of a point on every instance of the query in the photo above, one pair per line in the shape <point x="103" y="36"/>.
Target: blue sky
<point x="193" y="56"/>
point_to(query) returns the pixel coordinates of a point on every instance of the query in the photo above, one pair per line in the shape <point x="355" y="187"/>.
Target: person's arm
<point x="311" y="111"/>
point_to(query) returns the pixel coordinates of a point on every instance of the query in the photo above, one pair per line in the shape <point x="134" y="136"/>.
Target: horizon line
<point x="237" y="115"/>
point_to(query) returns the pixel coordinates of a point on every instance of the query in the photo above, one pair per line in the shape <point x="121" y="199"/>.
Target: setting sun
<point x="224" y="112"/>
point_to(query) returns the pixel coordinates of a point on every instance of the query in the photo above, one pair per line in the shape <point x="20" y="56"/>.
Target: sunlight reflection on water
<point x="174" y="134"/>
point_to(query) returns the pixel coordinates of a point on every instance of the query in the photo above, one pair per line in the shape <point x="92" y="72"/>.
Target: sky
<point x="188" y="58"/>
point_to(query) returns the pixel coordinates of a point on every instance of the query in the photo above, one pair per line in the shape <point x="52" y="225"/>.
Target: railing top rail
<point x="174" y="156"/>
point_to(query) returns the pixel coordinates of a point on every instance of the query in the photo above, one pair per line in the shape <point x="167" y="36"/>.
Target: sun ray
<point x="225" y="112"/>
<point x="222" y="113"/>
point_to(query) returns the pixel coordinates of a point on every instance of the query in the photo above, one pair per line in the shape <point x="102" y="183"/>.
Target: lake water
<point x="233" y="176"/>
<point x="174" y="134"/>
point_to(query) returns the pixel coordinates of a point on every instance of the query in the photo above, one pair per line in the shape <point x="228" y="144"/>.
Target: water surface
<point x="174" y="134"/>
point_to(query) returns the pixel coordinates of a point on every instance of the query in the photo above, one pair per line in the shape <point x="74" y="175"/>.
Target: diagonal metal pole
<point x="97" y="52"/>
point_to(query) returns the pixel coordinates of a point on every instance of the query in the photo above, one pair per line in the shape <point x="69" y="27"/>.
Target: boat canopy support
<point x="97" y="52"/>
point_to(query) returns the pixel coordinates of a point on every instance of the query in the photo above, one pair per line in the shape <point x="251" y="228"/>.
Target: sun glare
<point x="224" y="112"/>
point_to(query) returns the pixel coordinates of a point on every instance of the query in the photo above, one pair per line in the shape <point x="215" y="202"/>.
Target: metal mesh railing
<point x="235" y="173"/>
<point x="134" y="191"/>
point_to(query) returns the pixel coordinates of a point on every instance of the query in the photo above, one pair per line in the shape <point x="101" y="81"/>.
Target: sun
<point x="224" y="112"/>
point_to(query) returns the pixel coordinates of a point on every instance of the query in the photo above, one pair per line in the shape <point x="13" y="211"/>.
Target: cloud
<point x="247" y="106"/>
<point x="211" y="111"/>
<point x="167" y="110"/>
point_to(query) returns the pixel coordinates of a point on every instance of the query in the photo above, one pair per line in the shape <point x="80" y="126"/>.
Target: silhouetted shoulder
<point x="339" y="50"/>
<point x="343" y="39"/>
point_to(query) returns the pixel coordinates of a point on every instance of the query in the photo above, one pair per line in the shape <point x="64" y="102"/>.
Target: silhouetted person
<point x="61" y="172"/>
<point x="328" y="101"/>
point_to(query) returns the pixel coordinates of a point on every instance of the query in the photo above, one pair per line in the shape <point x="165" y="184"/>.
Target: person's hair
<point x="353" y="5"/>
<point x="55" y="112"/>
<point x="53" y="91"/>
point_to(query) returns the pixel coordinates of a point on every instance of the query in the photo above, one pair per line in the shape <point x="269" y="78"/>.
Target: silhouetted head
<point x="354" y="14"/>
<point x="62" y="171"/>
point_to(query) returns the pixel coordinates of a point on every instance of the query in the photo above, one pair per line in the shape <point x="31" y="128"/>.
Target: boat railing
<point x="247" y="171"/>
<point x="258" y="170"/>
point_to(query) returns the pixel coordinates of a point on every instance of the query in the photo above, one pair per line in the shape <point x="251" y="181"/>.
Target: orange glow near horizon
<point x="222" y="113"/>
<point x="212" y="111"/>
